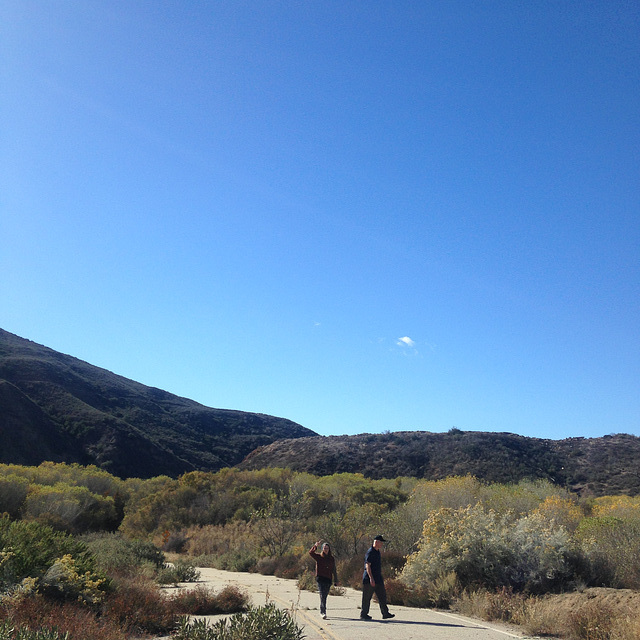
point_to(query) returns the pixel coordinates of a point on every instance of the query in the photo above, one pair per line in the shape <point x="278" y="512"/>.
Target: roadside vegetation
<point x="83" y="554"/>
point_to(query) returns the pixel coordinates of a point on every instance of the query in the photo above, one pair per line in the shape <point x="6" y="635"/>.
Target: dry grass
<point x="72" y="618"/>
<point x="591" y="614"/>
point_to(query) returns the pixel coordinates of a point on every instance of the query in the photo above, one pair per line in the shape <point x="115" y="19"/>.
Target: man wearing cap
<point x="372" y="581"/>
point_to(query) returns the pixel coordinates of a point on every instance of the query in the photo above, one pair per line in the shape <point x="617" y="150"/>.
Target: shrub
<point x="502" y="605"/>
<point x="73" y="620"/>
<point x="203" y="601"/>
<point x="10" y="632"/>
<point x="13" y="491"/>
<point x="144" y="551"/>
<point x="71" y="508"/>
<point x="563" y="511"/>
<point x="175" y="542"/>
<point x="443" y="590"/>
<point x="287" y="566"/>
<point x="218" y="540"/>
<point x="30" y="549"/>
<point x="592" y="621"/>
<point x="139" y="606"/>
<point x="612" y="545"/>
<point x="240" y="561"/>
<point x="350" y="571"/>
<point x="307" y="582"/>
<point x="396" y="591"/>
<point x="117" y="556"/>
<point x="63" y="580"/>
<point x="261" y="623"/>
<point x="232" y="600"/>
<point x="484" y="549"/>
<point x="181" y="571"/>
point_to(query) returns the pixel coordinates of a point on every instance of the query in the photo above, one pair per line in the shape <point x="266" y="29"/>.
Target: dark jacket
<point x="325" y="565"/>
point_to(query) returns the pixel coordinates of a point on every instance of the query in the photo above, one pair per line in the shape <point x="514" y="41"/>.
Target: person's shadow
<point x="407" y="622"/>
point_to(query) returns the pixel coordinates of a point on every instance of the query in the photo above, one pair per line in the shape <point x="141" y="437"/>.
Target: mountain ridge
<point x="78" y="412"/>
<point x="59" y="408"/>
<point x="588" y="466"/>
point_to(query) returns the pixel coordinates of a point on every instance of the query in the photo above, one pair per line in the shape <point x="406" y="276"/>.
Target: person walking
<point x="373" y="582"/>
<point x="325" y="573"/>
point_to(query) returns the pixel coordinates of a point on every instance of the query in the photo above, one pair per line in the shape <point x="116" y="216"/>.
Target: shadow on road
<point x="406" y="622"/>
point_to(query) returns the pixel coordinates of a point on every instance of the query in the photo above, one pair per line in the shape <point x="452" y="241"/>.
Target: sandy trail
<point x="344" y="622"/>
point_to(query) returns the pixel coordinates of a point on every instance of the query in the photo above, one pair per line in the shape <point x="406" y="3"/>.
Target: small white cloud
<point x="406" y="342"/>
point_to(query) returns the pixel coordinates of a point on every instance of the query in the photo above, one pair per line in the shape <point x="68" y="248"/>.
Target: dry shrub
<point x="198" y="602"/>
<point x="350" y="571"/>
<point x="396" y="591"/>
<point x="440" y="592"/>
<point x="307" y="582"/>
<point x="287" y="566"/>
<point x="203" y="601"/>
<point x="232" y="547"/>
<point x="175" y="542"/>
<point x="628" y="628"/>
<point x="595" y="620"/>
<point x="139" y="606"/>
<point x="506" y="606"/>
<point x="502" y="605"/>
<point x="235" y="537"/>
<point x="592" y="614"/>
<point x="77" y="620"/>
<point x="232" y="600"/>
<point x="473" y="603"/>
<point x="540" y="617"/>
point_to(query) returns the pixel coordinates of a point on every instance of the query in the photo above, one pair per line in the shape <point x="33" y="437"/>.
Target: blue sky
<point x="361" y="216"/>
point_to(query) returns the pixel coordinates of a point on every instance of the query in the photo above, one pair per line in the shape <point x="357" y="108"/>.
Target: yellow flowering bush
<point x="63" y="579"/>
<point x="562" y="511"/>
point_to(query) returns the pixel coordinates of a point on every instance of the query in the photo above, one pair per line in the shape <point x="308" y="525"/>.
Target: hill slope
<point x="597" y="466"/>
<point x="56" y="407"/>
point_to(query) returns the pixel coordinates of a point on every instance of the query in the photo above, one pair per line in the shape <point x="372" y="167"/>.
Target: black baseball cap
<point x="380" y="538"/>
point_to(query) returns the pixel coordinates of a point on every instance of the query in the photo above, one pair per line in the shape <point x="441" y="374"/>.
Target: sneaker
<point x="388" y="615"/>
<point x="324" y="616"/>
<point x="365" y="616"/>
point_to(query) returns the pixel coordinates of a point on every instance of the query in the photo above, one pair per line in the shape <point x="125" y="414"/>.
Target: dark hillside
<point x="56" y="407"/>
<point x="596" y="466"/>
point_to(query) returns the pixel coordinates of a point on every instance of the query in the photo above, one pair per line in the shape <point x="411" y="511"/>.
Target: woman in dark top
<point x="325" y="573"/>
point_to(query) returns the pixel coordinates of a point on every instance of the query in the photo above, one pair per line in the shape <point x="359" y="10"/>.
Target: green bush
<point x="612" y="546"/>
<point x="10" y="632"/>
<point x="30" y="549"/>
<point x="145" y="551"/>
<point x="13" y="492"/>
<point x="260" y="623"/>
<point x="70" y="508"/>
<point x="181" y="571"/>
<point x="62" y="580"/>
<point x="118" y="556"/>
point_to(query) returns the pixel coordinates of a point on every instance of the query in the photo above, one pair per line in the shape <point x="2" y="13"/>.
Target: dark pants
<point x="367" y="593"/>
<point x="324" y="586"/>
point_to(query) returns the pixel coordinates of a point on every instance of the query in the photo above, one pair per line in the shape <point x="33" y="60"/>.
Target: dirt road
<point x="344" y="622"/>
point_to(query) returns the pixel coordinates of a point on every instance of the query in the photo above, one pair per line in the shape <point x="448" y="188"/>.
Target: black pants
<point x="324" y="586"/>
<point x="367" y="593"/>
